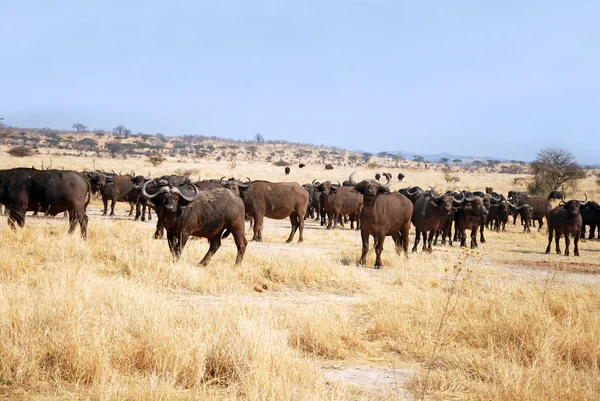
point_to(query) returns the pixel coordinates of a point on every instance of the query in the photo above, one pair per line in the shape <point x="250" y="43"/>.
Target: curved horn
<point x="351" y="179"/>
<point x="245" y="184"/>
<point x="433" y="194"/>
<point x="412" y="193"/>
<point x="462" y="198"/>
<point x="187" y="198"/>
<point x="313" y="182"/>
<point x="585" y="201"/>
<point x="387" y="184"/>
<point x="469" y="197"/>
<point x="221" y="181"/>
<point x="147" y="195"/>
<point x="520" y="206"/>
<point x="495" y="198"/>
<point x="562" y="199"/>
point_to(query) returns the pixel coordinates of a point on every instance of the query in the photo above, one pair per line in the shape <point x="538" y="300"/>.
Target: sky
<point x="501" y="79"/>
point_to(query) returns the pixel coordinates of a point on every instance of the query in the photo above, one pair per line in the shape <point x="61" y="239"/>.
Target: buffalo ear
<point x="383" y="190"/>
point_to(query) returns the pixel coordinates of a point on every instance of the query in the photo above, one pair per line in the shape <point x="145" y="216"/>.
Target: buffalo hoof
<point x="377" y="267"/>
<point x="558" y="252"/>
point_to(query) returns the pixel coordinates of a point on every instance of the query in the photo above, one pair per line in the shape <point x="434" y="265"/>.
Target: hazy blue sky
<point x="503" y="78"/>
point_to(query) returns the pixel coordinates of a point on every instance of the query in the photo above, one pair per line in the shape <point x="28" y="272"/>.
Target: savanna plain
<point x="114" y="318"/>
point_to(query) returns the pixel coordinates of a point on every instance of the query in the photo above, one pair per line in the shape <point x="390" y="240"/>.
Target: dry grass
<point x="115" y="318"/>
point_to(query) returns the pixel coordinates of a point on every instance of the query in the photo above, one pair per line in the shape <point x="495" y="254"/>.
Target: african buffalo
<point x="565" y="219"/>
<point x="400" y="177"/>
<point x="212" y="214"/>
<point x="275" y="200"/>
<point x="54" y="191"/>
<point x="468" y="217"/>
<point x="287" y="170"/>
<point x="343" y="201"/>
<point x="430" y="213"/>
<point x="590" y="215"/>
<point x="301" y="165"/>
<point x="384" y="213"/>
<point x="377" y="176"/>
<point x="328" y="167"/>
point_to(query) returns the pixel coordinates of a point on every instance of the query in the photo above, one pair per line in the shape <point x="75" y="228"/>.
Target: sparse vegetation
<point x="21" y="151"/>
<point x="449" y="177"/>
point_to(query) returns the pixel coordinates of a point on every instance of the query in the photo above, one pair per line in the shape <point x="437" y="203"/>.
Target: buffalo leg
<point x="215" y="244"/>
<point x="557" y="240"/>
<point x="16" y="216"/>
<point x="397" y="237"/>
<point x="567" y="243"/>
<point x="430" y="240"/>
<point x="378" y="250"/>
<point x="174" y="247"/>
<point x="405" y="240"/>
<point x="474" y="238"/>
<point x="541" y="221"/>
<point x="481" y="236"/>
<point x="365" y="248"/>
<point x="258" y="222"/>
<point x="131" y="206"/>
<point x="149" y="214"/>
<point x="550" y="231"/>
<point x="158" y="234"/>
<point x="576" y="244"/>
<point x="417" y="240"/>
<point x="300" y="228"/>
<point x="112" y="207"/>
<point x="424" y="234"/>
<point x="138" y="211"/>
<point x="295" y="224"/>
<point x="240" y="243"/>
<point x="105" y="203"/>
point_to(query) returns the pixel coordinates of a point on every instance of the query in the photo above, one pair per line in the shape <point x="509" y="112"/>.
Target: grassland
<point x="114" y="318"/>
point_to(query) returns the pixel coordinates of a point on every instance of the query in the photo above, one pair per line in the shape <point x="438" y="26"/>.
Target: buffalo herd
<point x="217" y="208"/>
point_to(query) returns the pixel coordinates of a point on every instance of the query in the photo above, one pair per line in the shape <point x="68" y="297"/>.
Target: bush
<point x="448" y="175"/>
<point x="281" y="163"/>
<point x="156" y="160"/>
<point x="372" y="166"/>
<point x="21" y="151"/>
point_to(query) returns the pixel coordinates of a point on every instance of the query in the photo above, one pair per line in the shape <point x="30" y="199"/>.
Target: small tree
<point x="448" y="177"/>
<point x="444" y="160"/>
<point x="80" y="127"/>
<point x="366" y="157"/>
<point x="119" y="130"/>
<point x="259" y="138"/>
<point x="418" y="159"/>
<point x="457" y="161"/>
<point x="323" y="155"/>
<point x="554" y="169"/>
<point x="353" y="159"/>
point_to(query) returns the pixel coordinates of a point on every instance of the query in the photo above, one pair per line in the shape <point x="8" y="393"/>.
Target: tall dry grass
<point x="114" y="317"/>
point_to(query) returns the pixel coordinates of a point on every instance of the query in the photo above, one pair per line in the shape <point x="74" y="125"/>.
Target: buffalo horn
<point x="351" y="179"/>
<point x="585" y="201"/>
<point x="147" y="195"/>
<point x="462" y="198"/>
<point x="434" y="194"/>
<point x="221" y="181"/>
<point x="187" y="198"/>
<point x="245" y="184"/>
<point x="469" y="197"/>
<point x="413" y="192"/>
<point x="387" y="184"/>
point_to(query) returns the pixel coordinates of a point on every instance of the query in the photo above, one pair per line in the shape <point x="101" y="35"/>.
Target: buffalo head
<point x="369" y="188"/>
<point x="168" y="197"/>
<point x="572" y="206"/>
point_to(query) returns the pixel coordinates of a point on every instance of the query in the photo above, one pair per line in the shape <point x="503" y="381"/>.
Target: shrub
<point x="156" y="160"/>
<point x="281" y="163"/>
<point x="21" y="151"/>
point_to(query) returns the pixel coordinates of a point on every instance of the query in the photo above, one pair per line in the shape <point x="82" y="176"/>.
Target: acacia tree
<point x="80" y="127"/>
<point x="554" y="169"/>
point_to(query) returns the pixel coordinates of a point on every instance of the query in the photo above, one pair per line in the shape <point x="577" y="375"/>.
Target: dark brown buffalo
<point x="565" y="219"/>
<point x="275" y="200"/>
<point x="287" y="170"/>
<point x="377" y="176"/>
<point x="526" y="212"/>
<point x="324" y="189"/>
<point x="384" y="213"/>
<point x="556" y="195"/>
<point x="469" y="217"/>
<point x="212" y="214"/>
<point x="489" y="190"/>
<point x="344" y="201"/>
<point x="328" y="167"/>
<point x="314" y="201"/>
<point x="430" y="213"/>
<point x="590" y="214"/>
<point x="400" y="177"/>
<point x="53" y="191"/>
<point x="301" y="165"/>
<point x="116" y="188"/>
